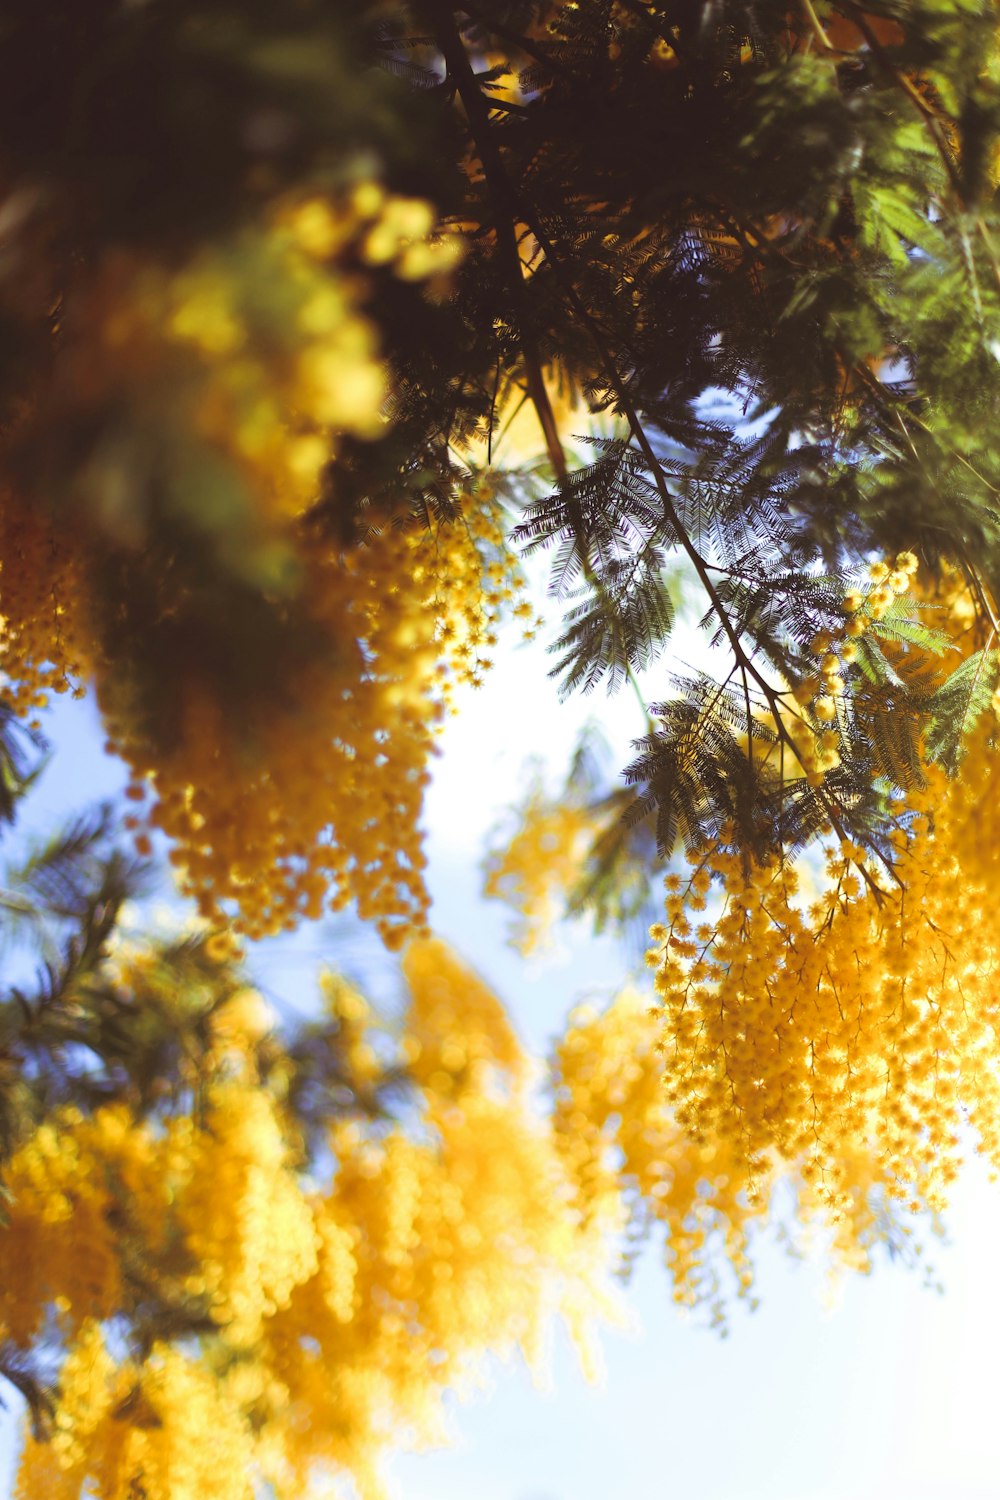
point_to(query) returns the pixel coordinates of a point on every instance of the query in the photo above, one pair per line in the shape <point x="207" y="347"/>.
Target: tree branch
<point x="504" y="205"/>
<point x="522" y="43"/>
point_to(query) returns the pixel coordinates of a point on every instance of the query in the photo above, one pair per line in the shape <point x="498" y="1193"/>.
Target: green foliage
<point x="607" y="527"/>
<point x="20" y="761"/>
<point x="958" y="704"/>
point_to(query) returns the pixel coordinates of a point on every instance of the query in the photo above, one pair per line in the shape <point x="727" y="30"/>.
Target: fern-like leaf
<point x="958" y="705"/>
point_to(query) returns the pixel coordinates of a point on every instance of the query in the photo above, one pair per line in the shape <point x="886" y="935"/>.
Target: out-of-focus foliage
<point x="235" y="1252"/>
<point x="202" y="237"/>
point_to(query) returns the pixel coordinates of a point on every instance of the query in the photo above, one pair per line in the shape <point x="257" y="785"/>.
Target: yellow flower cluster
<point x="59" y="1243"/>
<point x="319" y="803"/>
<point x="636" y="1168"/>
<point x="458" y="1033"/>
<point x="257" y="353"/>
<point x="472" y="577"/>
<point x="817" y="737"/>
<point x="315" y="797"/>
<point x="171" y="1429"/>
<point x="246" y="366"/>
<point x="237" y="1156"/>
<point x="45" y="644"/>
<point x="626" y="1150"/>
<point x="543" y="860"/>
<point x="343" y="1311"/>
<point x="823" y="1033"/>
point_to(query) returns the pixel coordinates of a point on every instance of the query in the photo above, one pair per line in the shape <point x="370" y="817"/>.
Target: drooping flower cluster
<point x="638" y="1169"/>
<point x="319" y="804"/>
<point x="542" y="861"/>
<point x="273" y="680"/>
<point x="330" y="1317"/>
<point x="627" y="1152"/>
<point x="808" y="1027"/>
<point x="810" y="1032"/>
<point x="45" y="645"/>
<point x="816" y="731"/>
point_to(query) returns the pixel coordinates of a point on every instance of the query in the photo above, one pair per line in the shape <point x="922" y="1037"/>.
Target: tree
<point x="275" y="287"/>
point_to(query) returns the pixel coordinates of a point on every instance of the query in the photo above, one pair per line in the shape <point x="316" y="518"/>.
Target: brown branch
<point x="515" y="39"/>
<point x="930" y="116"/>
<point x="816" y="27"/>
<point x="504" y="204"/>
